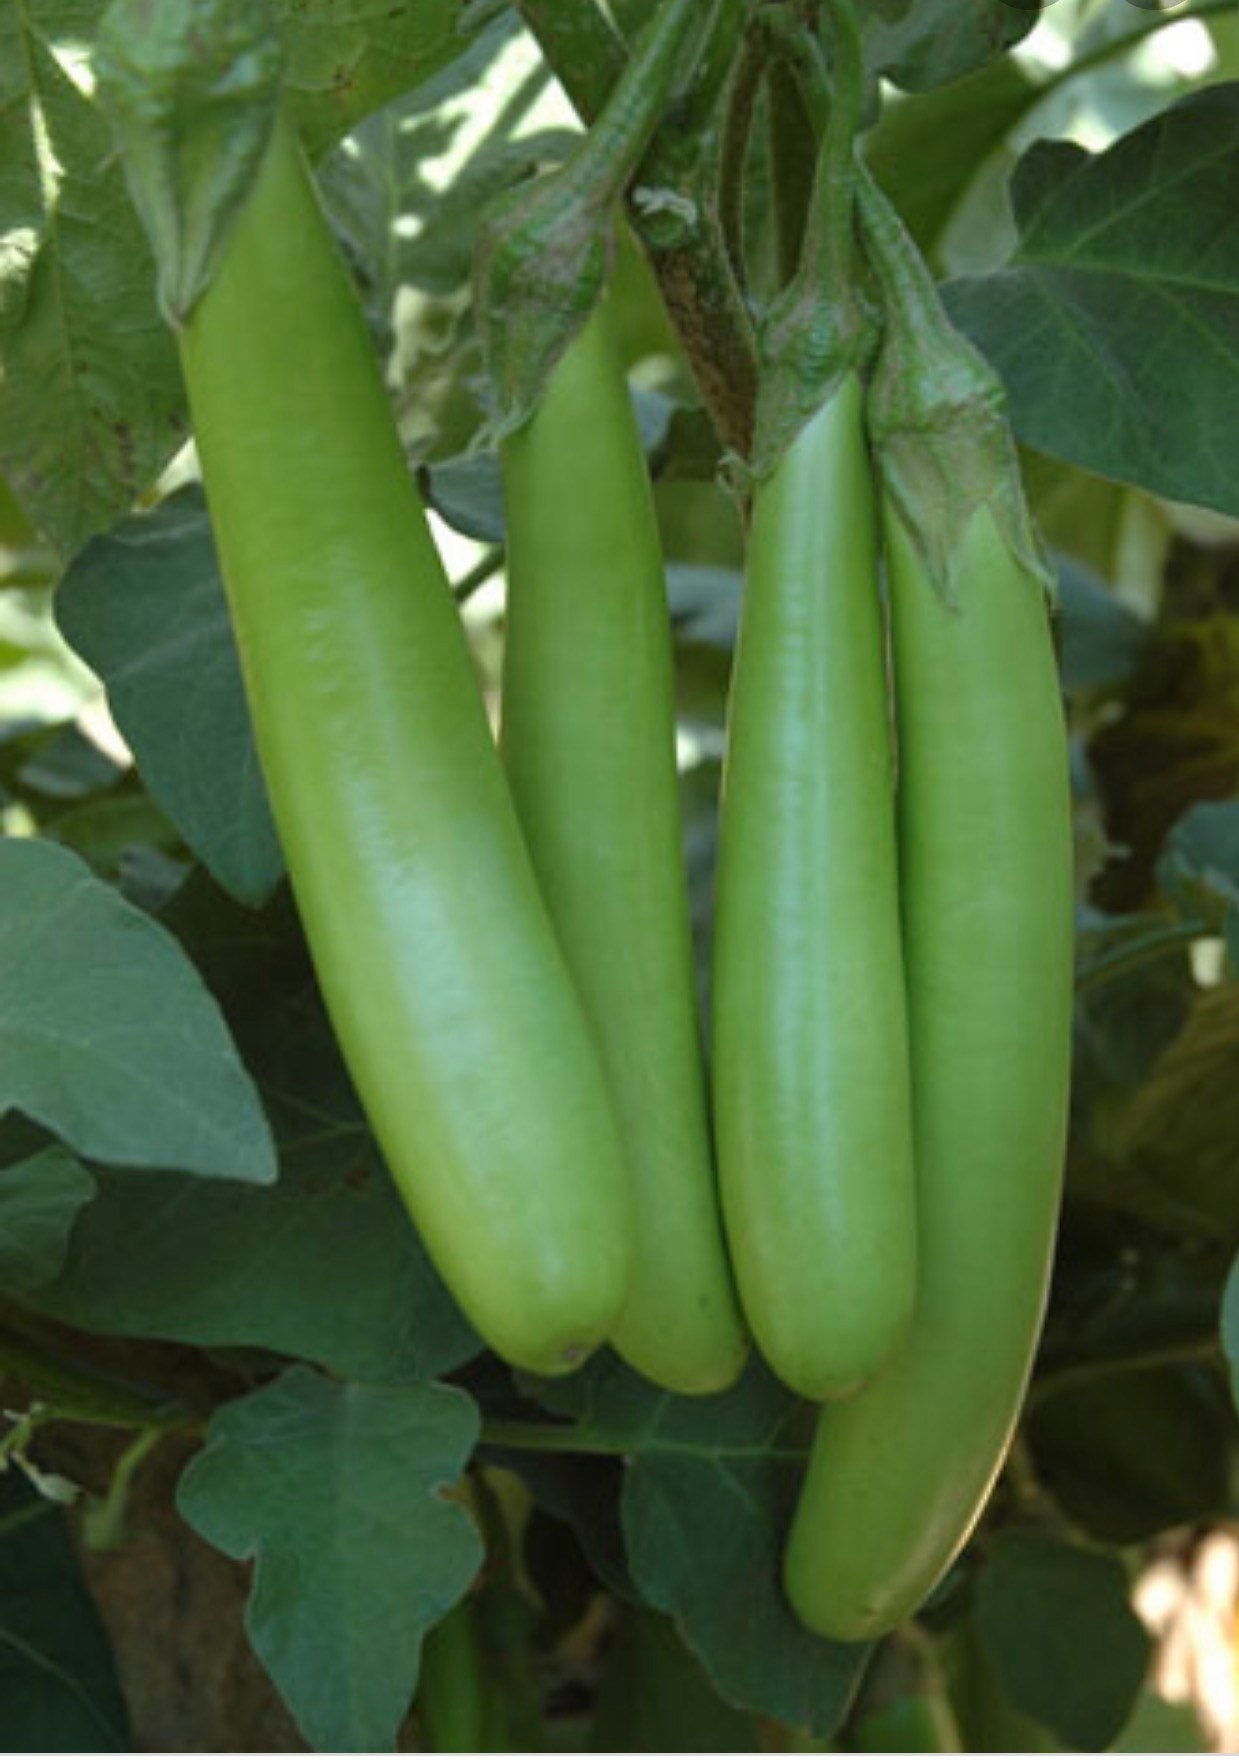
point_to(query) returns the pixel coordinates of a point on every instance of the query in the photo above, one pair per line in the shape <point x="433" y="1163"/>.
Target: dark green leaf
<point x="144" y="607"/>
<point x="584" y="1493"/>
<point x="656" y="1697"/>
<point x="1200" y="870"/>
<point x="110" y="830"/>
<point x="705" y="1510"/>
<point x="1137" y="243"/>
<point x="1132" y="1452"/>
<point x="335" y="1491"/>
<point x="1230" y="1326"/>
<point x="705" y="604"/>
<point x="65" y="765"/>
<point x="1159" y="1727"/>
<point x="1174" y="1140"/>
<point x="468" y="493"/>
<point x="40" y="1199"/>
<point x="325" y="1265"/>
<point x="58" y="1687"/>
<point x="924" y="43"/>
<point x="1062" y="1636"/>
<point x="1101" y="640"/>
<point x="108" y="1036"/>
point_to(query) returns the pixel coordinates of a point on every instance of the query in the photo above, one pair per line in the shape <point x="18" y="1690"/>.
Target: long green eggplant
<point x="812" y="1105"/>
<point x="588" y="735"/>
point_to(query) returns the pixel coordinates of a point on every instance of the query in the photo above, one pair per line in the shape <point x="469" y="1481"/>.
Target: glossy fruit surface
<point x="811" y="1098"/>
<point x="588" y="736"/>
<point x="441" y="973"/>
<point x="899" y="1475"/>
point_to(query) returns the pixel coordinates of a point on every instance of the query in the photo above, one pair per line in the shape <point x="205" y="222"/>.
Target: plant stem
<point x="832" y="203"/>
<point x="675" y="207"/>
<point x="103" y="1526"/>
<point x="488" y="564"/>
<point x="1138" y="953"/>
<point x="1201" y="1350"/>
<point x="743" y="88"/>
<point x="555" y="1439"/>
<point x="66" y="1392"/>
<point x="569" y="1440"/>
<point x="585" y="54"/>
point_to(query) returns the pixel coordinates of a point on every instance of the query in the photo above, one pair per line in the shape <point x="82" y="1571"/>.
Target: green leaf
<point x="927" y="150"/>
<point x="65" y="765"/>
<point x="325" y="1265"/>
<point x="335" y="1491"/>
<point x="1133" y="1452"/>
<point x="144" y="607"/>
<point x="108" y="1036"/>
<point x="1174" y="1140"/>
<point x="118" y="833"/>
<point x="40" y="1199"/>
<point x="344" y="61"/>
<point x="1136" y="243"/>
<point x="705" y="1509"/>
<point x="91" y="394"/>
<point x="1101" y="641"/>
<point x="1230" y="1326"/>
<point x="919" y="44"/>
<point x="1200" y="868"/>
<point x="583" y="1493"/>
<point x="1160" y="1727"/>
<point x="209" y="1263"/>
<point x="1062" y="1636"/>
<point x="468" y="493"/>
<point x="58" y="1687"/>
<point x="655" y="1696"/>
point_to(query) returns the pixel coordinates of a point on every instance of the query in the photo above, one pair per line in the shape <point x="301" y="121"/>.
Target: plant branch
<point x="674" y="207"/>
<point x="1138" y="952"/>
<point x="1199" y="1350"/>
<point x="570" y="1440"/>
<point x="584" y="53"/>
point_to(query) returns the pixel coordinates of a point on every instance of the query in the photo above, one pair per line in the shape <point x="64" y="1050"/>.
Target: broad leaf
<point x="1062" y="1636"/>
<point x="924" y="43"/>
<point x="927" y="149"/>
<point x="144" y="607"/>
<point x="58" y="1687"/>
<point x="346" y="60"/>
<point x="1139" y="242"/>
<point x="1101" y="641"/>
<point x="1133" y="1452"/>
<point x="108" y="1036"/>
<point x="335" y="1492"/>
<point x="656" y="1697"/>
<point x="325" y="1265"/>
<point x="40" y="1199"/>
<point x="705" y="1509"/>
<point x="90" y="397"/>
